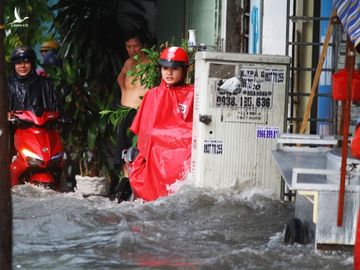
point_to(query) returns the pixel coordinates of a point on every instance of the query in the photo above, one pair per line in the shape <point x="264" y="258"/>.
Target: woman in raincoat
<point x="163" y="125"/>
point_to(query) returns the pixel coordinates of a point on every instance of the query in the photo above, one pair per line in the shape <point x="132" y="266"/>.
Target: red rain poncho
<point x="163" y="124"/>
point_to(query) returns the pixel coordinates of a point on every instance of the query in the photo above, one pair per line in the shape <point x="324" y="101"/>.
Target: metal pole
<point x="5" y="196"/>
<point x="349" y="64"/>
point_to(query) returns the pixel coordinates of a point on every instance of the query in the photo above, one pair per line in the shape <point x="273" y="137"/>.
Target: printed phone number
<point x="247" y="102"/>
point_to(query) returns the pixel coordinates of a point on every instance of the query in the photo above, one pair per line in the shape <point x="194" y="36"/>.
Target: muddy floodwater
<point x="195" y="228"/>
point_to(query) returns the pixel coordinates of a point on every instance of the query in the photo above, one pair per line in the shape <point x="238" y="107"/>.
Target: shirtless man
<point x="132" y="90"/>
<point x="131" y="94"/>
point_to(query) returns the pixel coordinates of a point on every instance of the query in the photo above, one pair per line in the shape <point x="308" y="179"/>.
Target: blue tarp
<point x="349" y="13"/>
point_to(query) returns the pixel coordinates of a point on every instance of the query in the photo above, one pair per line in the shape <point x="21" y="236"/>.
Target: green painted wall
<point x="203" y="16"/>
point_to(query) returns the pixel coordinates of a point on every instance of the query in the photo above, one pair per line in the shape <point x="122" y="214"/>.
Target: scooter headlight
<point x="31" y="158"/>
<point x="56" y="159"/>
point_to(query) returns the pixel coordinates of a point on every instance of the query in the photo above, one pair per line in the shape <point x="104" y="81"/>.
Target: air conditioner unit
<point x="240" y="108"/>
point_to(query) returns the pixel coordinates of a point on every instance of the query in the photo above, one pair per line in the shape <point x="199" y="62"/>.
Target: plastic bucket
<point x="340" y="84"/>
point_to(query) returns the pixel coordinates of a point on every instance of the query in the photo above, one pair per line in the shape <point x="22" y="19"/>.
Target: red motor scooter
<point x="39" y="150"/>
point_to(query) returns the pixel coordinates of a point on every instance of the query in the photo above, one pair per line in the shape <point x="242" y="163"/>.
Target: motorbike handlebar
<point x="15" y="118"/>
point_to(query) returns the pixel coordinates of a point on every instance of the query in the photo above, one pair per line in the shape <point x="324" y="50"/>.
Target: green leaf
<point x="92" y="135"/>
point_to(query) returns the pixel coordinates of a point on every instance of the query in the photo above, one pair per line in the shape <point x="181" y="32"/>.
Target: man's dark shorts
<point x="124" y="136"/>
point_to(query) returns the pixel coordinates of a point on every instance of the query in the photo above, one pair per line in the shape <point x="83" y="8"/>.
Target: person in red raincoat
<point x="163" y="125"/>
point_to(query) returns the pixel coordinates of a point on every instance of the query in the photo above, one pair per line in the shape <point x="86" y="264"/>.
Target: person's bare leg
<point x="125" y="171"/>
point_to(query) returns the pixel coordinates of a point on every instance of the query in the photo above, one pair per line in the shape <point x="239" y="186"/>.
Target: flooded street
<point x="193" y="229"/>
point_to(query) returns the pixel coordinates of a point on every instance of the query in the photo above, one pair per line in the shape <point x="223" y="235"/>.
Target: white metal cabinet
<point x="240" y="107"/>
